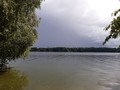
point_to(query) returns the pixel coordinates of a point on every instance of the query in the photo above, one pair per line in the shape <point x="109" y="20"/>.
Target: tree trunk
<point x="3" y="65"/>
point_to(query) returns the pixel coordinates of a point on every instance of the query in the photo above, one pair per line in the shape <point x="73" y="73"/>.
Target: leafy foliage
<point x="114" y="27"/>
<point x="17" y="28"/>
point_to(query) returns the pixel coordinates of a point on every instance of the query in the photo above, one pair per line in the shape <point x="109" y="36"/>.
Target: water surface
<point x="68" y="71"/>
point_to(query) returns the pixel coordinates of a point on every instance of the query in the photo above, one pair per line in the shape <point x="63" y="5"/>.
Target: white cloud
<point x="67" y="22"/>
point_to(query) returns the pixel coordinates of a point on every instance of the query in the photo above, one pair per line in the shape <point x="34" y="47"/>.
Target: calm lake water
<point x="64" y="71"/>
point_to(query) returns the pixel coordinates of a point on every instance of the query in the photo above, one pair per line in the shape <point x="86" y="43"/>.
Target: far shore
<point x="74" y="49"/>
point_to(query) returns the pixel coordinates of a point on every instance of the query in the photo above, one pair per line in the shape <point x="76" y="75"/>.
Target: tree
<point x="18" y="21"/>
<point x="113" y="27"/>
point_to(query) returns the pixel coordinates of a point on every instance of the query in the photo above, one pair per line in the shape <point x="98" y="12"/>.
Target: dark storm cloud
<point x="70" y="23"/>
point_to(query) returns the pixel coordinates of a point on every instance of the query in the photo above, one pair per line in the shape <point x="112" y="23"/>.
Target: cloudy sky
<point x="75" y="23"/>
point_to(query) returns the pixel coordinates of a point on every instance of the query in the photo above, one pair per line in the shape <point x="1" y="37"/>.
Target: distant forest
<point x="64" y="49"/>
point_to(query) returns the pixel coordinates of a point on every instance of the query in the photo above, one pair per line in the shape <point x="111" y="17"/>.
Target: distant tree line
<point x="64" y="49"/>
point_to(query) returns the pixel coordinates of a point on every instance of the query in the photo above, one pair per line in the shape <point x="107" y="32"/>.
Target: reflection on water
<point x="71" y="71"/>
<point x="12" y="80"/>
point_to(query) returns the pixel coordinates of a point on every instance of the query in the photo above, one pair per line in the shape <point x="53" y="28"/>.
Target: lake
<point x="63" y="71"/>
